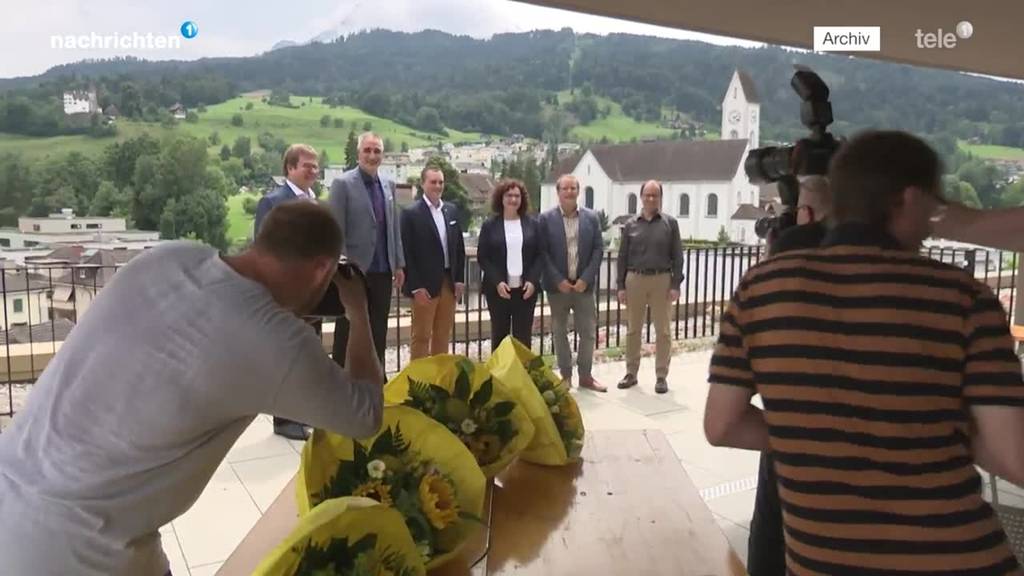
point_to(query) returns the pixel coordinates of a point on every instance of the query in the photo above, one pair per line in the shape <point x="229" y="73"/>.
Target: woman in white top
<point x="510" y="256"/>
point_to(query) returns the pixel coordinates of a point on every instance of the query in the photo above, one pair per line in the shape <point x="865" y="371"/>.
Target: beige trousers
<point x="641" y="292"/>
<point x="432" y="323"/>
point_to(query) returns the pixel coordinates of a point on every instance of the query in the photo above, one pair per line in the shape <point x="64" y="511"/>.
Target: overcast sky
<point x="236" y="28"/>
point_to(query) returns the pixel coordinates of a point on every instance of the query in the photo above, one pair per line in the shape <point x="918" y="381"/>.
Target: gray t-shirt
<point x="127" y="424"/>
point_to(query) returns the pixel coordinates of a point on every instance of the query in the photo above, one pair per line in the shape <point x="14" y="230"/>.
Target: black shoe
<point x="661" y="386"/>
<point x="628" y="381"/>
<point x="291" y="431"/>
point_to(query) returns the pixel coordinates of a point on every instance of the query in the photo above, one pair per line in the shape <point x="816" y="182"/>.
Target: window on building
<point x="76" y="226"/>
<point x="712" y="205"/>
<point x="93" y="226"/>
<point x="588" y="198"/>
<point x="733" y="135"/>
<point x="19" y="305"/>
<point x="684" y="205"/>
<point x="35" y="227"/>
<point x="5" y="242"/>
<point x="632" y="204"/>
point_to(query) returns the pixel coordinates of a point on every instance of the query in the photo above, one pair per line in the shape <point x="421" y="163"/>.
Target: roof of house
<point x="22" y="281"/>
<point x="478" y="186"/>
<point x="564" y="166"/>
<point x="748" y="212"/>
<point x="98" y="268"/>
<point x="668" y="160"/>
<point x="749" y="89"/>
<point x="55" y="331"/>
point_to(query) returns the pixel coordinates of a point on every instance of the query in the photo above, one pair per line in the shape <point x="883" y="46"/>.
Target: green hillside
<point x="617" y="126"/>
<point x="301" y="124"/>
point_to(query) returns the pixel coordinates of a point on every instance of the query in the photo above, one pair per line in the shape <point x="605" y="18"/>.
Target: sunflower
<point x="437" y="497"/>
<point x="375" y="489"/>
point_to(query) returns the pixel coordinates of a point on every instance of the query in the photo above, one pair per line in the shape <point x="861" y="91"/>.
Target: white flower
<point x="376" y="469"/>
<point x="424" y="550"/>
<point x="550" y="397"/>
<point x="555" y="410"/>
<point x="468" y="426"/>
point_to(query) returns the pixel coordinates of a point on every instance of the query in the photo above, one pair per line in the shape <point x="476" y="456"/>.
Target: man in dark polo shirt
<point x="650" y="269"/>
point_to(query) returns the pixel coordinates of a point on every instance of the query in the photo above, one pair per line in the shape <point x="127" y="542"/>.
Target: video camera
<point x="809" y="156"/>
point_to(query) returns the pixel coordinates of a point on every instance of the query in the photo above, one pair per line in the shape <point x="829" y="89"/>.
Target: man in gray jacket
<point x="364" y="205"/>
<point x="573" y="247"/>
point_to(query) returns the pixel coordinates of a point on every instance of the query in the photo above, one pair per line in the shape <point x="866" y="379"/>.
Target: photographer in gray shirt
<point x="177" y="355"/>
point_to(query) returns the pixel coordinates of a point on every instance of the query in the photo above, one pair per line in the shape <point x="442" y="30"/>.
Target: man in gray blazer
<point x="364" y="205"/>
<point x="573" y="248"/>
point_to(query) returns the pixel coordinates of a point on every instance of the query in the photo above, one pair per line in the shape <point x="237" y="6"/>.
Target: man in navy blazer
<point x="573" y="248"/>
<point x="363" y="203"/>
<point x="435" y="258"/>
<point x="301" y="170"/>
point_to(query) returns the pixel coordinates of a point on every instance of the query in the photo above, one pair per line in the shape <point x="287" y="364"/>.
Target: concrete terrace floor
<point x="260" y="464"/>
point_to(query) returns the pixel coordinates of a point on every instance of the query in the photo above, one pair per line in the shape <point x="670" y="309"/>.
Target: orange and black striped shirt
<point x="867" y="360"/>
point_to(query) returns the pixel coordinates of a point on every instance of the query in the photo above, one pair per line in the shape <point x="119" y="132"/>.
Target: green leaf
<point x="465" y="366"/>
<point x="483" y="395"/>
<point x="503" y="409"/>
<point x="384" y="444"/>
<point x="462" y="386"/>
<point x="440" y="394"/>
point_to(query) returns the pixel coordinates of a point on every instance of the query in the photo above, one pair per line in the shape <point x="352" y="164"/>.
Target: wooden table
<point x="628" y="508"/>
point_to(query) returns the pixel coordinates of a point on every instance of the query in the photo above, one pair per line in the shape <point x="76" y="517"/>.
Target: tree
<point x="405" y="147"/>
<point x="242" y="147"/>
<point x="248" y="106"/>
<point x="603" y="219"/>
<point x="105" y="199"/>
<point x="249" y="205"/>
<point x="351" y="151"/>
<point x="367" y="126"/>
<point x="453" y="190"/>
<point x="429" y="119"/>
<point x="214" y="138"/>
<point x="237" y="119"/>
<point x="531" y="179"/>
<point x="325" y="121"/>
<point x="225" y="152"/>
<point x="191" y="117"/>
<point x="234" y="170"/>
<point x="723" y="236"/>
<point x="959" y="191"/>
<point x="119" y="159"/>
<point x="16" y="186"/>
<point x="325" y="161"/>
<point x="339" y="122"/>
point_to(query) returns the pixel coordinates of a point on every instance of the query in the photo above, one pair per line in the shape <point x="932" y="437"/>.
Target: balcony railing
<point x="63" y="293"/>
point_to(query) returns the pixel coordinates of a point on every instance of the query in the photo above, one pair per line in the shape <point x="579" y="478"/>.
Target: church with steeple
<point x="705" y="185"/>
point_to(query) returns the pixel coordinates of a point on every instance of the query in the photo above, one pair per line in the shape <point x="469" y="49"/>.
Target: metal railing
<point x="65" y="292"/>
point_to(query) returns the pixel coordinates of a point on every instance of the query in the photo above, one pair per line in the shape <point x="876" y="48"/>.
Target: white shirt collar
<point x="440" y="203"/>
<point x="298" y="191"/>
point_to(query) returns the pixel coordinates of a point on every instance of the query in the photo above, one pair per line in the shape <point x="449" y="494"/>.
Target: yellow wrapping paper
<point x="328" y="459"/>
<point x="443" y="371"/>
<point x="509" y="364"/>
<point x="363" y="523"/>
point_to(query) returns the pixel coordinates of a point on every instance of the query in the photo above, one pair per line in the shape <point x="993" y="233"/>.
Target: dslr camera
<point x="809" y="156"/>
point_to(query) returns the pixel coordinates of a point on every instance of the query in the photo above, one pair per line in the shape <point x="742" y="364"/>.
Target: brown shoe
<point x="591" y="384"/>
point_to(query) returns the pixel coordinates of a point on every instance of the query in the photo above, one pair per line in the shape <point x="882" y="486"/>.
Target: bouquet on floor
<point x="412" y="465"/>
<point x="559" y="431"/>
<point x="465" y="399"/>
<point x="346" y="537"/>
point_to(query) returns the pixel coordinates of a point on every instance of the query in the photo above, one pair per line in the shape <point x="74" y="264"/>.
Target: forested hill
<point x="508" y="84"/>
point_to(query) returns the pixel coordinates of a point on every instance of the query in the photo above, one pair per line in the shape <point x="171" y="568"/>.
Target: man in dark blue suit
<point x="301" y="170"/>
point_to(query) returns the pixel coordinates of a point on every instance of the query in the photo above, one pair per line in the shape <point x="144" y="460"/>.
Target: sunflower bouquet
<point x="465" y="399"/>
<point x="414" y="466"/>
<point x="346" y="537"/>
<point x="556" y="417"/>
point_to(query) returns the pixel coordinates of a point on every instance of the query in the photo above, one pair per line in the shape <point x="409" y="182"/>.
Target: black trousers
<point x="766" y="547"/>
<point x="513" y="316"/>
<point x="318" y="328"/>
<point x="378" y="304"/>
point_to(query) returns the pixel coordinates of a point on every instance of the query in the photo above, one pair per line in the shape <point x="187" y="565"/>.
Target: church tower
<point x="741" y="111"/>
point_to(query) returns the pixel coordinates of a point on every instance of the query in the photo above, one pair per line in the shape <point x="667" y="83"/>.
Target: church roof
<point x="748" y="212"/>
<point x="749" y="89"/>
<point x="666" y="160"/>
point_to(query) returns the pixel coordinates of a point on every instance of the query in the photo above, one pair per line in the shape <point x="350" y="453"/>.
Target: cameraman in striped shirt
<point x="885" y="378"/>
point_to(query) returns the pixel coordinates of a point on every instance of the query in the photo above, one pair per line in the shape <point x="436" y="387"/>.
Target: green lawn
<point x="239" y="223"/>
<point x="616" y="126"/>
<point x="993" y="151"/>
<point x="293" y="124"/>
